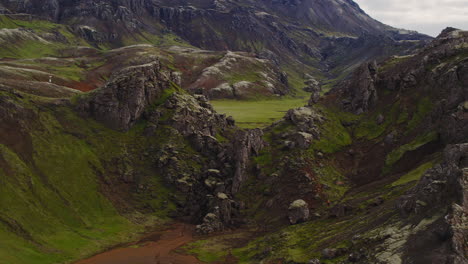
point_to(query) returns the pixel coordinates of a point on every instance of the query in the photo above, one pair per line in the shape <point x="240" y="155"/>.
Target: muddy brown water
<point x="160" y="248"/>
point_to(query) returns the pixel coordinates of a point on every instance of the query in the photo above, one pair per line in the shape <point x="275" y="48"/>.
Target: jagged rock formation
<point x="124" y="99"/>
<point x="307" y="121"/>
<point x="402" y="112"/>
<point x="442" y="189"/>
<point x="361" y="89"/>
<point x="436" y="204"/>
<point x="136" y="93"/>
<point x="314" y="87"/>
<point x="437" y="71"/>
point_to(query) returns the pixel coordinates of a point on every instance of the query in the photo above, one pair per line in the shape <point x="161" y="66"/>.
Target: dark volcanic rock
<point x="361" y="89"/>
<point x="123" y="100"/>
<point x="245" y="145"/>
<point x="442" y="188"/>
<point x="439" y="185"/>
<point x="438" y="72"/>
<point x="135" y="93"/>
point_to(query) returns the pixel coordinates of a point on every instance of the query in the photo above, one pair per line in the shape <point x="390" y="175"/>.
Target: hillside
<point x="323" y="38"/>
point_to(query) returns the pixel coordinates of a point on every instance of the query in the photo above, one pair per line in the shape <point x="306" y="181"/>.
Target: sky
<point x="426" y="16"/>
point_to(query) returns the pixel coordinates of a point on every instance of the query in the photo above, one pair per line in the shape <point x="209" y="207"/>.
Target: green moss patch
<point x="398" y="153"/>
<point x="335" y="181"/>
<point x="368" y="128"/>
<point x="423" y="108"/>
<point x="414" y="175"/>
<point x="298" y="243"/>
<point x="215" y="249"/>
<point x="334" y="136"/>
<point x="6" y="22"/>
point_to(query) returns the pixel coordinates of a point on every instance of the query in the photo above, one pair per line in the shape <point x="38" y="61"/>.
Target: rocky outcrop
<point x="306" y="122"/>
<point x="237" y="75"/>
<point x="222" y="157"/>
<point x="306" y="119"/>
<point x="360" y="92"/>
<point x="210" y="224"/>
<point x="214" y="169"/>
<point x="90" y="34"/>
<point x="124" y="99"/>
<point x="303" y="128"/>
<point x="437" y="73"/>
<point x="440" y="185"/>
<point x="313" y="86"/>
<point x="444" y="188"/>
<point x="303" y="140"/>
<point x="245" y="145"/>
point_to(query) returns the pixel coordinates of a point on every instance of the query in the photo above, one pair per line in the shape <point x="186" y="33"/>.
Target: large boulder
<point x="306" y="119"/>
<point x="314" y="261"/>
<point x="298" y="212"/>
<point x="211" y="223"/>
<point x="303" y="140"/>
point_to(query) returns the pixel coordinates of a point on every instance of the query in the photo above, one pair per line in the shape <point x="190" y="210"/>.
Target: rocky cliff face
<point x="438" y="71"/>
<point x="361" y="89"/>
<point x="130" y="91"/>
<point x="387" y="160"/>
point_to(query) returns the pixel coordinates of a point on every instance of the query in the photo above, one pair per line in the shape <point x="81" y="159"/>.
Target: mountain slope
<point x="385" y="185"/>
<point x="306" y="36"/>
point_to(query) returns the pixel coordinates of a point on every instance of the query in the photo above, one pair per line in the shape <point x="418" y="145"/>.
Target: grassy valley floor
<point x="257" y="114"/>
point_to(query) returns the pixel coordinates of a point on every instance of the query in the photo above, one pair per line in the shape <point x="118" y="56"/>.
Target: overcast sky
<point x="426" y="16"/>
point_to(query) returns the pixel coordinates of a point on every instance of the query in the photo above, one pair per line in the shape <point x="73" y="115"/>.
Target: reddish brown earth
<point x="159" y="248"/>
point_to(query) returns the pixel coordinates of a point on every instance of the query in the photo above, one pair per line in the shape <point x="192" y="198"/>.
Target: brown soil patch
<point x="158" y="248"/>
<point x="83" y="86"/>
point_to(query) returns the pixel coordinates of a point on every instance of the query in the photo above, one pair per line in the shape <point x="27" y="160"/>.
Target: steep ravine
<point x="85" y="185"/>
<point x="385" y="186"/>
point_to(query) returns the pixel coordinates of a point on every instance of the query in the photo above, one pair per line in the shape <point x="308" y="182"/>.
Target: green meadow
<point x="257" y="114"/>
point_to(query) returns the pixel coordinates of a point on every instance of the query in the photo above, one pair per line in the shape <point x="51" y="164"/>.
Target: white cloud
<point x="426" y="16"/>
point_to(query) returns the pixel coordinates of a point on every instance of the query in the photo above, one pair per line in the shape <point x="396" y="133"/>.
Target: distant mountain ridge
<point x="323" y="37"/>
